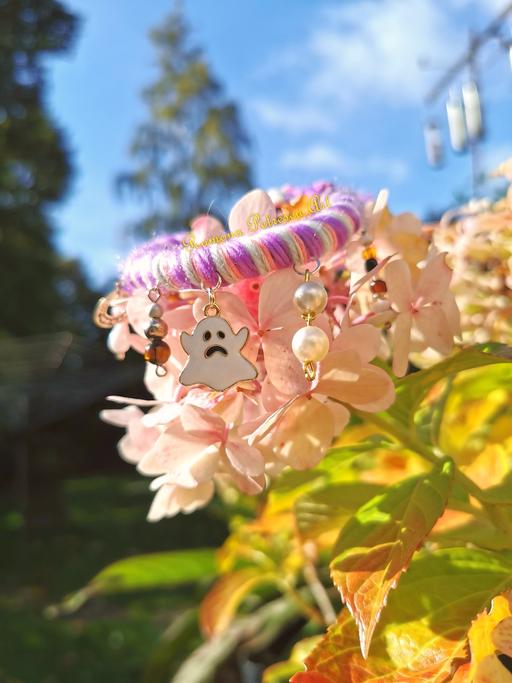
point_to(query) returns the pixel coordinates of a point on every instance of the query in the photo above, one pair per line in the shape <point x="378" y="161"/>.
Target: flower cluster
<point x="191" y="439"/>
<point x="478" y="239"/>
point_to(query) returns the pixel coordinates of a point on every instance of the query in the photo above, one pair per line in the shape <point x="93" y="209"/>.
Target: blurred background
<point x="119" y="120"/>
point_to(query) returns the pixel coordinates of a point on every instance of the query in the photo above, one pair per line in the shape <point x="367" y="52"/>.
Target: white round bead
<point x="310" y="297"/>
<point x="310" y="344"/>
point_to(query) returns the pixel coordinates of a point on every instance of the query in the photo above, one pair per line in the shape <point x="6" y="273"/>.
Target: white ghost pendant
<point x="214" y="355"/>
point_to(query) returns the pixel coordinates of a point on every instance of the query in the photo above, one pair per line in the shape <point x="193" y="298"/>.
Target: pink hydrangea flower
<point x="426" y="307"/>
<point x="196" y="445"/>
<point x="299" y="432"/>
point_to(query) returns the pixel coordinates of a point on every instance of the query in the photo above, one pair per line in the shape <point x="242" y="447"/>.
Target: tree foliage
<point x="40" y="288"/>
<point x="192" y="150"/>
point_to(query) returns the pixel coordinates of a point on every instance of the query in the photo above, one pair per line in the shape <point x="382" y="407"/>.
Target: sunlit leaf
<point x="334" y="467"/>
<point x="478" y="413"/>
<point x="491" y="634"/>
<point x="377" y="544"/>
<point x="145" y="572"/>
<point x="328" y="509"/>
<point x="222" y="602"/>
<point x="411" y="390"/>
<point x="155" y="570"/>
<point x="424" y="628"/>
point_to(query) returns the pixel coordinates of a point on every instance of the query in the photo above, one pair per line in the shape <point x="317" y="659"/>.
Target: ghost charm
<point x="214" y="353"/>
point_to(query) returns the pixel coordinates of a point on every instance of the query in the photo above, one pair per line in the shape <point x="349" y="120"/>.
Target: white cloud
<point x="369" y="50"/>
<point x="315" y="158"/>
<point x="362" y="54"/>
<point x="324" y="159"/>
<point x="295" y="117"/>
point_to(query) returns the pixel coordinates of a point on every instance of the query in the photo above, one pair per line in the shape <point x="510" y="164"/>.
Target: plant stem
<point x="301" y="603"/>
<point x="318" y="592"/>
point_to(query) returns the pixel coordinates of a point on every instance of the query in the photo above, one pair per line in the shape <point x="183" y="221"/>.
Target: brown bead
<point x="157" y="352"/>
<point x="378" y="287"/>
<point x="156" y="329"/>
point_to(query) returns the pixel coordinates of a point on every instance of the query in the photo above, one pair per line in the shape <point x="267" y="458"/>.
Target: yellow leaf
<point x="481" y="634"/>
<point x="220" y="605"/>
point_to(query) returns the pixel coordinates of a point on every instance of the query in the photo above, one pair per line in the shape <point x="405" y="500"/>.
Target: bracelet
<point x="169" y="263"/>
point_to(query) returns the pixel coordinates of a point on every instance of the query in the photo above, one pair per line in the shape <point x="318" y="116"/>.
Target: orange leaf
<point x="377" y="544"/>
<point x="423" y="633"/>
<point x="338" y="659"/>
<point x="221" y="603"/>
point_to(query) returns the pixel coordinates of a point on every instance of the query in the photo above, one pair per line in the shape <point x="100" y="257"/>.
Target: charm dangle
<point x="378" y="286"/>
<point x="103" y="316"/>
<point x="310" y="344"/>
<point x="214" y="351"/>
<point x="157" y="352"/>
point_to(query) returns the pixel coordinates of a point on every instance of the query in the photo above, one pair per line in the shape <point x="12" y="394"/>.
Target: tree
<point x="35" y="172"/>
<point x="193" y="149"/>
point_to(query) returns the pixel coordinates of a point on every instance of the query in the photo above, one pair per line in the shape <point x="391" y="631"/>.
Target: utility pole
<point x="465" y="117"/>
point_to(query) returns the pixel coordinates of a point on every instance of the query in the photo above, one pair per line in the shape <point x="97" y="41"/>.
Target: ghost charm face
<point x="214" y="355"/>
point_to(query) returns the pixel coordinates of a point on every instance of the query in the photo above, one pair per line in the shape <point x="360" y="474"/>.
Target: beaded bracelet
<point x="289" y="237"/>
<point x="166" y="263"/>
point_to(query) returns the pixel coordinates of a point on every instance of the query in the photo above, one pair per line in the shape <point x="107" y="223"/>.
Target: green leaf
<point x="501" y="494"/>
<point x="144" y="572"/>
<point x="479" y="532"/>
<point x="377" y="543"/>
<point x="423" y="630"/>
<point x="411" y="390"/>
<point x="334" y="467"/>
<point x="156" y="570"/>
<point x="329" y="508"/>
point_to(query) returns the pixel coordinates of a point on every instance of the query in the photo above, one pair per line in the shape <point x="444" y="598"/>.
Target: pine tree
<point x="193" y="149"/>
<point x="35" y="171"/>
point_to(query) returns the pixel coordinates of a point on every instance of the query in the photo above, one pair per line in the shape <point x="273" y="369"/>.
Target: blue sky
<point x="326" y="90"/>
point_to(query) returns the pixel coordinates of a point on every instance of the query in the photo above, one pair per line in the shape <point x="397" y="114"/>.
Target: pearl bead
<point x="310" y="297"/>
<point x="310" y="344"/>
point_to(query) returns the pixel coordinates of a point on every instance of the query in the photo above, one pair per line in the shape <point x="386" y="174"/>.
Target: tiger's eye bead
<point x="370" y="264"/>
<point x="310" y="297"/>
<point x="378" y="287"/>
<point x="157" y="352"/>
<point x="156" y="329"/>
<point x="156" y="311"/>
